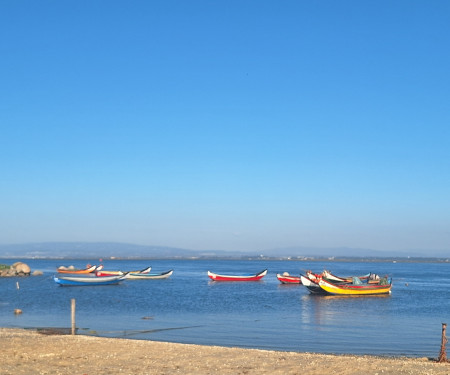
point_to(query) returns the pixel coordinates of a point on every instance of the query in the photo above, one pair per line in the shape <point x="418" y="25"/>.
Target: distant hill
<point x="95" y="250"/>
<point x="101" y="250"/>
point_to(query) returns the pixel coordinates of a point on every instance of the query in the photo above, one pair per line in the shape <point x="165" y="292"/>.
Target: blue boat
<point x="88" y="280"/>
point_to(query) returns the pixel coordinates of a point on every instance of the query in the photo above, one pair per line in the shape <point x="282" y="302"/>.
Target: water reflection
<point x="288" y="286"/>
<point x="330" y="310"/>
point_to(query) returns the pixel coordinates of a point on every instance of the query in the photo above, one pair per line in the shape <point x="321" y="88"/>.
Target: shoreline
<point x="26" y="351"/>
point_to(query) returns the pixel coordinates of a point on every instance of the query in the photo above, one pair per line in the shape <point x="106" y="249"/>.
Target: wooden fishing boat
<point x="357" y="287"/>
<point x="333" y="278"/>
<point x="117" y="273"/>
<point x="327" y="275"/>
<point x="88" y="280"/>
<point x="89" y="269"/>
<point x="149" y="276"/>
<point x="312" y="285"/>
<point x="285" y="278"/>
<point x="313" y="276"/>
<point x="252" y="277"/>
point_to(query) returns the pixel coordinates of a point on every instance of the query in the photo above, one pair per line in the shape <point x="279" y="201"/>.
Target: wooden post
<point x="443" y="352"/>
<point x="73" y="315"/>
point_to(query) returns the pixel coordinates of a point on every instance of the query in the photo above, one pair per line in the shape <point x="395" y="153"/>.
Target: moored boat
<point x="88" y="280"/>
<point x="88" y="269"/>
<point x="117" y="273"/>
<point x="348" y="279"/>
<point x="285" y="278"/>
<point x="357" y="287"/>
<point x="149" y="276"/>
<point x="251" y="277"/>
<point x="312" y="285"/>
<point x="313" y="276"/>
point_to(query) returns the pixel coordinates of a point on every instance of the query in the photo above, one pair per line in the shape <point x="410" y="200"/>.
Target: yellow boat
<point x="356" y="288"/>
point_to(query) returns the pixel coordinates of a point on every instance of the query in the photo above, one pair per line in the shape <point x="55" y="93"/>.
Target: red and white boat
<point x="252" y="277"/>
<point x="285" y="278"/>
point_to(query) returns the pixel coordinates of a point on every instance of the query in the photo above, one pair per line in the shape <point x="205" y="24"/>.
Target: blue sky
<point x="235" y="125"/>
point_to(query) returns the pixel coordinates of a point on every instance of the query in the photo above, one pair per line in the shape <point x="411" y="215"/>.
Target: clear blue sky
<point x="235" y="125"/>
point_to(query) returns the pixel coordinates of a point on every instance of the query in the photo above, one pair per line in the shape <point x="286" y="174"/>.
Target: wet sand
<point x="29" y="352"/>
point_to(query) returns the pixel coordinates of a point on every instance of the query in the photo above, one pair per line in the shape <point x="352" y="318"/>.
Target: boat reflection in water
<point x="335" y="309"/>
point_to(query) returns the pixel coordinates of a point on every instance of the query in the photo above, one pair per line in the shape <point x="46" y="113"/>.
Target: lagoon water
<point x="190" y="308"/>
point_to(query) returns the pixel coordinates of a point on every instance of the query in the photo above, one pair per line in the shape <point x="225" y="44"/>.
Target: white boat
<point x="149" y="276"/>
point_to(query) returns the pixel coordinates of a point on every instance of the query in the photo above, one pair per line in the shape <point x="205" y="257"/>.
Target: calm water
<point x="189" y="308"/>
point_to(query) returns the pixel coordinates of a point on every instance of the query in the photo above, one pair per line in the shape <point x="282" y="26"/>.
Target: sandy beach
<point x="30" y="352"/>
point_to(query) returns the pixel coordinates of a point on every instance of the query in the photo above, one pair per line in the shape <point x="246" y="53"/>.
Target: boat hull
<point x="118" y="273"/>
<point x="149" y="276"/>
<point x="288" y="279"/>
<point x="255" y="277"/>
<point x="355" y="290"/>
<point x="312" y="286"/>
<point x="75" y="271"/>
<point x="88" y="281"/>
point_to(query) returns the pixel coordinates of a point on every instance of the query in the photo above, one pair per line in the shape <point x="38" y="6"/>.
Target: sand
<point x="29" y="352"/>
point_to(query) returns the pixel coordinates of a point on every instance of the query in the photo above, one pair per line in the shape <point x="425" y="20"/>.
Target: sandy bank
<point x="29" y="352"/>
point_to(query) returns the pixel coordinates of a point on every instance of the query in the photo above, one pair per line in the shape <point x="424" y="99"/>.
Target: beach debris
<point x="53" y="331"/>
<point x="443" y="352"/>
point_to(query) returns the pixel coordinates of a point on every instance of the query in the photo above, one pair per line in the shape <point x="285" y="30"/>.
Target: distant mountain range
<point x="101" y="250"/>
<point x="124" y="250"/>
